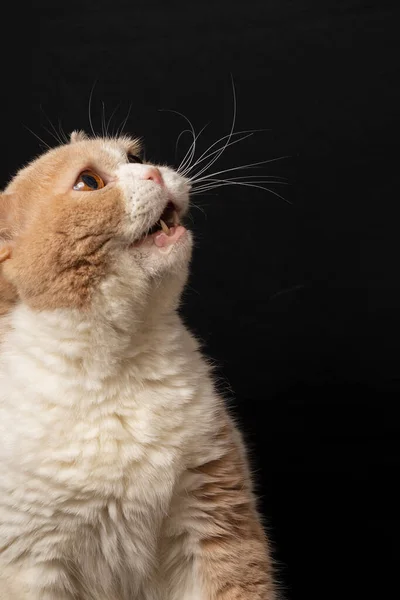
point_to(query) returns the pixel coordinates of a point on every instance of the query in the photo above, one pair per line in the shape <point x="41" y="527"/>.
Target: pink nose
<point x="154" y="174"/>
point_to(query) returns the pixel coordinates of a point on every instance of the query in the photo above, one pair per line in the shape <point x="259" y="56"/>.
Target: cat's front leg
<point x="215" y="547"/>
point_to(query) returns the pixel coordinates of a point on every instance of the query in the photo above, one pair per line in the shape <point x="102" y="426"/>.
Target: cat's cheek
<point x="50" y="276"/>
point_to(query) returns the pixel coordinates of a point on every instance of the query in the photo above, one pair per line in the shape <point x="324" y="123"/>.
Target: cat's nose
<point x="154" y="174"/>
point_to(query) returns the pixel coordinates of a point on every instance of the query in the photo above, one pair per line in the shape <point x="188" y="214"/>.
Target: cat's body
<point x="122" y="475"/>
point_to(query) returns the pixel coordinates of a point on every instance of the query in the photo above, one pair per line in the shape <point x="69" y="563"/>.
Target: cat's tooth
<point x="164" y="227"/>
<point x="175" y="218"/>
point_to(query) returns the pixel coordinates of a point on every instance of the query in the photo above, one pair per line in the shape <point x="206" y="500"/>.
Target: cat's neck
<point x="66" y="341"/>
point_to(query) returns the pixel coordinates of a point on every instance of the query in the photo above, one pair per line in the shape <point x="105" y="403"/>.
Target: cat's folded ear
<point x="7" y="214"/>
<point x="78" y="136"/>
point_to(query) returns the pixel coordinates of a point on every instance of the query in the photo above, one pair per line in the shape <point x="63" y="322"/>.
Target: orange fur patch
<point x="60" y="239"/>
<point x="234" y="557"/>
<point x="58" y="261"/>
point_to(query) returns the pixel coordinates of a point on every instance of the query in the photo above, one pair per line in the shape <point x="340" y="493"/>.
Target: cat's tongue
<point x="161" y="239"/>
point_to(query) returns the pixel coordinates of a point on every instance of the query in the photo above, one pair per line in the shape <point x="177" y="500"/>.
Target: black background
<point x="297" y="303"/>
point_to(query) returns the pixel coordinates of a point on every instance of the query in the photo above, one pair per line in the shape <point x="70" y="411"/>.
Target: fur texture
<point x="122" y="475"/>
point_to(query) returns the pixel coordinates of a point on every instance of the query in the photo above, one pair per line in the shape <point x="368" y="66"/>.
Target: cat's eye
<point x="88" y="181"/>
<point x="133" y="158"/>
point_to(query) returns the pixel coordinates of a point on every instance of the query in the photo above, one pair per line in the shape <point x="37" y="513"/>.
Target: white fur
<point x="97" y="433"/>
<point x="145" y="199"/>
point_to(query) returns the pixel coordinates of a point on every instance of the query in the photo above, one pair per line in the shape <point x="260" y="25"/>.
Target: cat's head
<point x="89" y="220"/>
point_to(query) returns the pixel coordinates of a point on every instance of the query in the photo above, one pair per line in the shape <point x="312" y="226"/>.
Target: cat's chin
<point x="161" y="252"/>
<point x="161" y="241"/>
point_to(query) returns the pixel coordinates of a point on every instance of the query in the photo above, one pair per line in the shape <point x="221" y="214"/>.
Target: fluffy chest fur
<point x="89" y="422"/>
<point x="97" y="443"/>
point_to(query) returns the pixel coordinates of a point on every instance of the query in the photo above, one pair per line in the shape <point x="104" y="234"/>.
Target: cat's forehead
<point x="108" y="153"/>
<point x="112" y="150"/>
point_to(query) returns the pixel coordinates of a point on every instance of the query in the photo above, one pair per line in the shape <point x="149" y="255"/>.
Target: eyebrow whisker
<point x="90" y="108"/>
<point x="36" y="136"/>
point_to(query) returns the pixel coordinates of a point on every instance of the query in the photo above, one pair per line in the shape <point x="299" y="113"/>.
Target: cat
<point x="123" y="476"/>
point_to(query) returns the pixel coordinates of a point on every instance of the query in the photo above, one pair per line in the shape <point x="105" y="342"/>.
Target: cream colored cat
<point x="122" y="475"/>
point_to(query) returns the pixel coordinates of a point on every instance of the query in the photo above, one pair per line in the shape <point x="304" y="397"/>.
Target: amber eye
<point x="132" y="158"/>
<point x="88" y="181"/>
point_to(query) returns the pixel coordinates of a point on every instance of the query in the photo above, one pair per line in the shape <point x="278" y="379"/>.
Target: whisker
<point x="261" y="162"/>
<point x="187" y="168"/>
<point x="36" y="136"/>
<point x="213" y="186"/>
<point x="187" y="155"/>
<point x="190" y="216"/>
<point x="53" y="135"/>
<point x="220" y="152"/>
<point x="176" y="112"/>
<point x="90" y="108"/>
<point x="64" y="137"/>
<point x="202" y="192"/>
<point x="178" y="138"/>
<point x="244" y="185"/>
<point x="204" y="156"/>
<point x="192" y="288"/>
<point x="253" y="178"/>
<point x="192" y="204"/>
<point x="121" y="127"/>
<point x="103" y="120"/>
<point x="110" y="119"/>
<point x="266" y="178"/>
<point x="56" y="134"/>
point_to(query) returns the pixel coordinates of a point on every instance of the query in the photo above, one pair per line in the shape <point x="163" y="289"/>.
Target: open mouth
<point x="167" y="222"/>
<point x="166" y="231"/>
